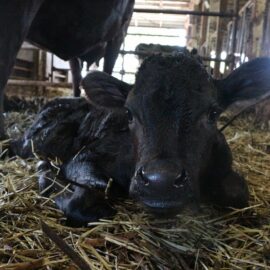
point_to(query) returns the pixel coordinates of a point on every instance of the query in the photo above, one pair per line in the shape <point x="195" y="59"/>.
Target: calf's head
<point x="172" y="112"/>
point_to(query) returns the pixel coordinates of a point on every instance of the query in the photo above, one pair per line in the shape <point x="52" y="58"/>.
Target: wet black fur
<point x="157" y="140"/>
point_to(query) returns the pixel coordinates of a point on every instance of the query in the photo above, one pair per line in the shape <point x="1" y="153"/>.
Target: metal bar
<point x="247" y="5"/>
<point x="52" y="70"/>
<point x="203" y="32"/>
<point x="235" y="26"/>
<point x="265" y="48"/>
<point x="204" y="58"/>
<point x="157" y="25"/>
<point x="149" y="54"/>
<point x="151" y="35"/>
<point x="186" y="12"/>
<point x="38" y="83"/>
<point x="220" y="34"/>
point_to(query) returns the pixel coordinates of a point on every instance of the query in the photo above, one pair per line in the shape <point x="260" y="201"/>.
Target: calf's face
<point x="172" y="111"/>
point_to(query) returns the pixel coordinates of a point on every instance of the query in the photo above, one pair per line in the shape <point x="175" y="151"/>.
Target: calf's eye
<point x="129" y="116"/>
<point x="213" y="115"/>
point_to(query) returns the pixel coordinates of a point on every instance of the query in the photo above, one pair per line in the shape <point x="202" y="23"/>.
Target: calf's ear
<point x="251" y="80"/>
<point x="104" y="90"/>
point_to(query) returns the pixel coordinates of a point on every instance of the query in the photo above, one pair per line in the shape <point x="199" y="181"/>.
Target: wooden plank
<point x="38" y="83"/>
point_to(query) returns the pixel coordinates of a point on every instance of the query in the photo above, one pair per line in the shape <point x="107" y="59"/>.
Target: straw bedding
<point x="205" y="239"/>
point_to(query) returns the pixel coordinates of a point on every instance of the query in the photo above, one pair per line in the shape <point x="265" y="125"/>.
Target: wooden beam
<point x="38" y="83"/>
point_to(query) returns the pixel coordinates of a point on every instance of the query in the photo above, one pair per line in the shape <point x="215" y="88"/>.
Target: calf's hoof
<point x="3" y="137"/>
<point x="82" y="210"/>
<point x="81" y="217"/>
<point x="46" y="179"/>
<point x="233" y="192"/>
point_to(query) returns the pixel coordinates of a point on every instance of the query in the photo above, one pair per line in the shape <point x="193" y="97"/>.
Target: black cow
<point x="73" y="30"/>
<point x="157" y="140"/>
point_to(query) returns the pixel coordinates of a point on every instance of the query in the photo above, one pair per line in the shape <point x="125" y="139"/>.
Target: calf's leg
<point x="220" y="184"/>
<point x="16" y="18"/>
<point x="47" y="179"/>
<point x="86" y="201"/>
<point x="229" y="191"/>
<point x="84" y="206"/>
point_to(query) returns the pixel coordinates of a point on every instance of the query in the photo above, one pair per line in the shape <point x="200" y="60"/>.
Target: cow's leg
<point x="221" y="185"/>
<point x="16" y="18"/>
<point x="76" y="69"/>
<point x="111" y="54"/>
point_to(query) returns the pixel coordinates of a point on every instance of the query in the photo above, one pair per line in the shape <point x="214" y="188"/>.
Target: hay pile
<point x="133" y="240"/>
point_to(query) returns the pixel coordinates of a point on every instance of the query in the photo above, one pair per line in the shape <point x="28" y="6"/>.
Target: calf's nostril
<point x="142" y="176"/>
<point x="181" y="179"/>
<point x="139" y="173"/>
<point x="161" y="177"/>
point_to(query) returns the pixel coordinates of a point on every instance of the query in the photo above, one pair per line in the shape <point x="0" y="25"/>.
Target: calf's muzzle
<point x="161" y="184"/>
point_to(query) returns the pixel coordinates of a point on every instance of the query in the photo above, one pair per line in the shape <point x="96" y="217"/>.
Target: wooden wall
<point x="214" y="34"/>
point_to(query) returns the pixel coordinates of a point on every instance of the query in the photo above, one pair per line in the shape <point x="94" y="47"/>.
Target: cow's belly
<point x="71" y="28"/>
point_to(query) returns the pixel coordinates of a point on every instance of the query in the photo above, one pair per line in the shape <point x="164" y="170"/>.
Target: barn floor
<point x="208" y="239"/>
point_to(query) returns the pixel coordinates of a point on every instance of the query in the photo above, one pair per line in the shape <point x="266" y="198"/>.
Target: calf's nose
<point x="162" y="175"/>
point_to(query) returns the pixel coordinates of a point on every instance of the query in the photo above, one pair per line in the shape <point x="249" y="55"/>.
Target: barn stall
<point x="33" y="232"/>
